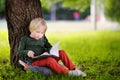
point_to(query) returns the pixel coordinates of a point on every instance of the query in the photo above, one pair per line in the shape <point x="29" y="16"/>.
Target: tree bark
<point x="19" y="13"/>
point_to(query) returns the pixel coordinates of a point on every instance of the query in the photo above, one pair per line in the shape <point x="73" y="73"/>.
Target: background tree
<point x="64" y="9"/>
<point x="19" y="13"/>
<point x="112" y="9"/>
<point x="2" y="8"/>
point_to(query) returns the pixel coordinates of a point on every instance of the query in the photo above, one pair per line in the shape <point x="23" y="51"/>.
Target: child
<point x="36" y="43"/>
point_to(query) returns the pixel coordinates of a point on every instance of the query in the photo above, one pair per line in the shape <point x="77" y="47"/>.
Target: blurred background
<point x="76" y="15"/>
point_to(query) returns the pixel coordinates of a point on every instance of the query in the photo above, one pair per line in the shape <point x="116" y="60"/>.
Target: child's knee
<point x="62" y="53"/>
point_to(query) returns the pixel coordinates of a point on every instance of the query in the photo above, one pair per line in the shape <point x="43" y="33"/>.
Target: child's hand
<point x="30" y="53"/>
<point x="26" y="67"/>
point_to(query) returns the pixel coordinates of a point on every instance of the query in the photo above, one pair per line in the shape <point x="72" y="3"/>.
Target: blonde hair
<point x="36" y="22"/>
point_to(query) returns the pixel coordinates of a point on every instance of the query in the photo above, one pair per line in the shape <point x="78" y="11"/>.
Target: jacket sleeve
<point x="47" y="45"/>
<point x="21" y="48"/>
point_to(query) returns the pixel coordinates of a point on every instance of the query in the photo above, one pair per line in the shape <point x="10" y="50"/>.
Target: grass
<point x="95" y="52"/>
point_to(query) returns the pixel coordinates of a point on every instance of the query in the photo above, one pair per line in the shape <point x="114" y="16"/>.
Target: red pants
<point x="52" y="63"/>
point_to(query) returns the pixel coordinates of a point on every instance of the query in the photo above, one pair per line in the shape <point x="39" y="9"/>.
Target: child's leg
<point x="52" y="64"/>
<point x="65" y="59"/>
<point x="68" y="63"/>
<point x="41" y="70"/>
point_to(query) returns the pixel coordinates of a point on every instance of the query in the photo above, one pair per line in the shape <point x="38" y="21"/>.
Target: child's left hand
<point x="30" y="53"/>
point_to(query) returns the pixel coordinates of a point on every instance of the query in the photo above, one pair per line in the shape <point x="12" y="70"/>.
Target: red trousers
<point x="52" y="63"/>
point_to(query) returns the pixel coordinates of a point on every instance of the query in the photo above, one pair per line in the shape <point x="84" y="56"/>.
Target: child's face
<point x="38" y="33"/>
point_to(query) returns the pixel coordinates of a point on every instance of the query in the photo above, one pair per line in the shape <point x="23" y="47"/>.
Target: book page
<point x="54" y="52"/>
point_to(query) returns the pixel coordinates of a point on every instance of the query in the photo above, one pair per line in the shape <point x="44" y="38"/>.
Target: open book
<point x="54" y="52"/>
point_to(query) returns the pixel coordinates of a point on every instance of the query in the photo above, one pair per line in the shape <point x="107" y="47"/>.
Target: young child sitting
<point x="36" y="44"/>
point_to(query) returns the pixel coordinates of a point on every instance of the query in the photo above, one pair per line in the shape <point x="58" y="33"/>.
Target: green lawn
<point x="95" y="52"/>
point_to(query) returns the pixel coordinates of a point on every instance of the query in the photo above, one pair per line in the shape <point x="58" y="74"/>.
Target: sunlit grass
<point x="95" y="52"/>
<point x="88" y="45"/>
<point x="4" y="44"/>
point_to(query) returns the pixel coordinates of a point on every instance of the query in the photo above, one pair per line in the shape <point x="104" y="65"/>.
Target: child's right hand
<point x="30" y="54"/>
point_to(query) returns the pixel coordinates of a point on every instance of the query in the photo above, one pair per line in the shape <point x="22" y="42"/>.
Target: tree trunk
<point x="19" y="13"/>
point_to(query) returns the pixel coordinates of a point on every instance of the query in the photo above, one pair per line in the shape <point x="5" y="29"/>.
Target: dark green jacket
<point x="38" y="46"/>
